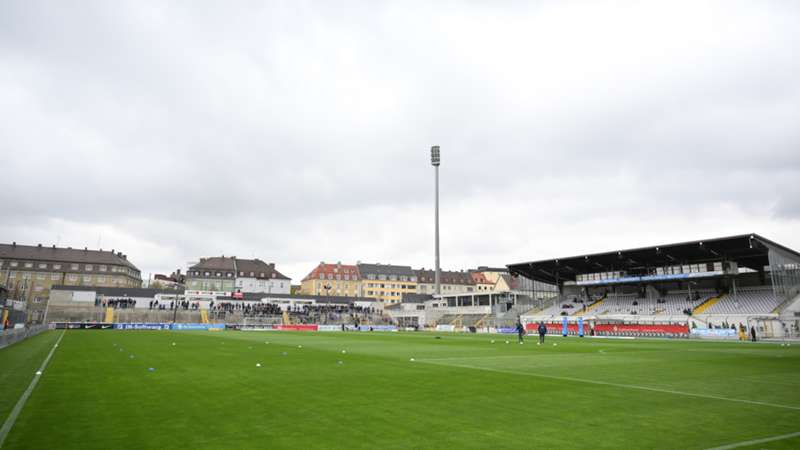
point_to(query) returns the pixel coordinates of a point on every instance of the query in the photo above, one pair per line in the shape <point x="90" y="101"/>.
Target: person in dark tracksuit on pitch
<point x="520" y="331"/>
<point x="542" y="331"/>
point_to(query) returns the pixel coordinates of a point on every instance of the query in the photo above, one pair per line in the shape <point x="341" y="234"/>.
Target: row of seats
<point x="750" y="300"/>
<point x="746" y="301"/>
<point x="674" y="303"/>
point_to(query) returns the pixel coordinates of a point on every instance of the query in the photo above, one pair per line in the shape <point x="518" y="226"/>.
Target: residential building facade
<point x="221" y="274"/>
<point x="482" y="282"/>
<point x="337" y="280"/>
<point x="451" y="282"/>
<point x="387" y="282"/>
<point x="29" y="271"/>
<point x="257" y="276"/>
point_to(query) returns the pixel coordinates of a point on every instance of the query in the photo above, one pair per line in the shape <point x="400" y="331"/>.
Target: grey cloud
<point x="299" y="132"/>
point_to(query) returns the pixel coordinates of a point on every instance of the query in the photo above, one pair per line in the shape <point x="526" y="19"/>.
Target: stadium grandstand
<point x="87" y="304"/>
<point x="737" y="282"/>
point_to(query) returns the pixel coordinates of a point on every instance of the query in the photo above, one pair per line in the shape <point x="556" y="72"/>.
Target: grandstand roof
<point x="747" y="250"/>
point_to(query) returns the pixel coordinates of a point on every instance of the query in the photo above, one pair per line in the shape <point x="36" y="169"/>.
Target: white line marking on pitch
<point x="756" y="441"/>
<point x="606" y="383"/>
<point x="12" y="417"/>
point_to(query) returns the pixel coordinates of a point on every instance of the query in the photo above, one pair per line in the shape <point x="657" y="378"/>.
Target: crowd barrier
<point x="14" y="335"/>
<point x="616" y="329"/>
<point x="715" y="333"/>
<point x="137" y="326"/>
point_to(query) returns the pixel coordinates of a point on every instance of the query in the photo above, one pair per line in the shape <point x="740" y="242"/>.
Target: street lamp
<point x="435" y="161"/>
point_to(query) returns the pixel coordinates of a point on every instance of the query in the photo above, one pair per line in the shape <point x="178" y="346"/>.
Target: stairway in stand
<point x="707" y="304"/>
<point x="591" y="307"/>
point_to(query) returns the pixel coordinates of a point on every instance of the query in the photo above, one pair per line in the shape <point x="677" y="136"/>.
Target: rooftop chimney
<point x="40" y="245"/>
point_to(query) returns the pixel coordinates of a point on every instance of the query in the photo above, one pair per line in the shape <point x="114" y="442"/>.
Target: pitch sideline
<point x="619" y="385"/>
<point x="756" y="441"/>
<point x="12" y="417"/>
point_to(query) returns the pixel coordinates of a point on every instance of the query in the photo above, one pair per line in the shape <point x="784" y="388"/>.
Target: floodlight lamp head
<point x="435" y="157"/>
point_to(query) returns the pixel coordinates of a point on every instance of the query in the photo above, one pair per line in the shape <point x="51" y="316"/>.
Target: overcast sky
<point x="299" y="132"/>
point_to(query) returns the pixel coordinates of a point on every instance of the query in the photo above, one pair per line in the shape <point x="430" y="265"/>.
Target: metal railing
<point x="14" y="335"/>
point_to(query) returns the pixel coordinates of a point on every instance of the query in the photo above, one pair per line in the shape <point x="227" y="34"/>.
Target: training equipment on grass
<point x="38" y="372"/>
<point x="151" y="369"/>
<point x="621" y="394"/>
<point x="299" y="346"/>
<point x="344" y="351"/>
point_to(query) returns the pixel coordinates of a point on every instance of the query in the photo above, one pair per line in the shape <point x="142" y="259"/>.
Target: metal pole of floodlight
<point x="435" y="161"/>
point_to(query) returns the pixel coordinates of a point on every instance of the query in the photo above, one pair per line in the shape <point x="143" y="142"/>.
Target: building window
<point x="87" y="278"/>
<point x="73" y="267"/>
<point x="56" y="266"/>
<point x="72" y="278"/>
<point x="103" y="268"/>
<point x="207" y="273"/>
<point x="28" y="265"/>
<point x="38" y="288"/>
<point x="12" y="275"/>
<point x="42" y="266"/>
<point x="13" y="264"/>
<point x="89" y="267"/>
<point x="55" y="276"/>
<point x="101" y="279"/>
<point x="40" y="276"/>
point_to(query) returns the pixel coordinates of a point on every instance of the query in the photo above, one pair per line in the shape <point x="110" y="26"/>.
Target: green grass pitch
<point x="460" y="391"/>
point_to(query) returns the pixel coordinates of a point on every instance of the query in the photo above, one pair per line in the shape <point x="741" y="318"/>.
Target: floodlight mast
<point x="435" y="161"/>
